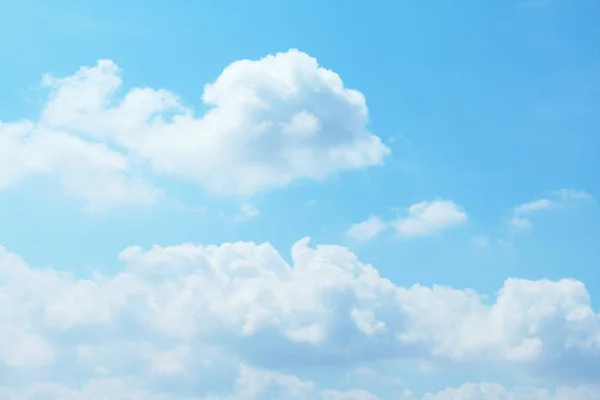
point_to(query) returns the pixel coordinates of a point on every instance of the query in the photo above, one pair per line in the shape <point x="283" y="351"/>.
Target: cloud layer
<point x="181" y="319"/>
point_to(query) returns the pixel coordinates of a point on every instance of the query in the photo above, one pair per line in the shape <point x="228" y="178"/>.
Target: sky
<point x="300" y="200"/>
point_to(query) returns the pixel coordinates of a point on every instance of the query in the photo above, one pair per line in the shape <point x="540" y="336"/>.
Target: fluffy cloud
<point x="422" y="219"/>
<point x="178" y="320"/>
<point x="268" y="122"/>
<point x="427" y="218"/>
<point x="91" y="171"/>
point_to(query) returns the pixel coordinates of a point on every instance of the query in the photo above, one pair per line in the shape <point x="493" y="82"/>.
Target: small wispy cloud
<point x="537" y="205"/>
<point x="422" y="219"/>
<point x="521" y="214"/>
<point x="521" y="223"/>
<point x="561" y="199"/>
<point x="366" y="230"/>
<point x="572" y="194"/>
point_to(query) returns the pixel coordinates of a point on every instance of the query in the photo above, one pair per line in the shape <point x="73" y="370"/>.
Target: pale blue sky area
<point x="490" y="105"/>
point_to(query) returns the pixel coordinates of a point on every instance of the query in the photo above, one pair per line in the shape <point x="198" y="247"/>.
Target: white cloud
<point x="184" y="316"/>
<point x="373" y="377"/>
<point x="428" y="218"/>
<point x="573" y="195"/>
<point x="367" y="229"/>
<point x="269" y="122"/>
<point x="366" y="322"/>
<point x="495" y="391"/>
<point x="259" y="384"/>
<point x="537" y="205"/>
<point x="170" y="362"/>
<point x="563" y="198"/>
<point x="521" y="213"/>
<point x="251" y="384"/>
<point x="88" y="170"/>
<point x="422" y="219"/>
<point x="521" y="223"/>
<point x="21" y="349"/>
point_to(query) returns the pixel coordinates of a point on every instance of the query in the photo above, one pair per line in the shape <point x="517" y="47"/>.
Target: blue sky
<point x="447" y="145"/>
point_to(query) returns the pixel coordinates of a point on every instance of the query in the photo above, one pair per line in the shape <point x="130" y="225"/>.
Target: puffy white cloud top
<point x="177" y="320"/>
<point x="267" y="123"/>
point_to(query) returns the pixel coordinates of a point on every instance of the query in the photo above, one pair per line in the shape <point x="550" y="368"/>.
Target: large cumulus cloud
<point x="267" y="123"/>
<point x="181" y="319"/>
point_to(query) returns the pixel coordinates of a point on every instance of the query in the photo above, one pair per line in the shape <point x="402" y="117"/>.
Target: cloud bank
<point x="181" y="320"/>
